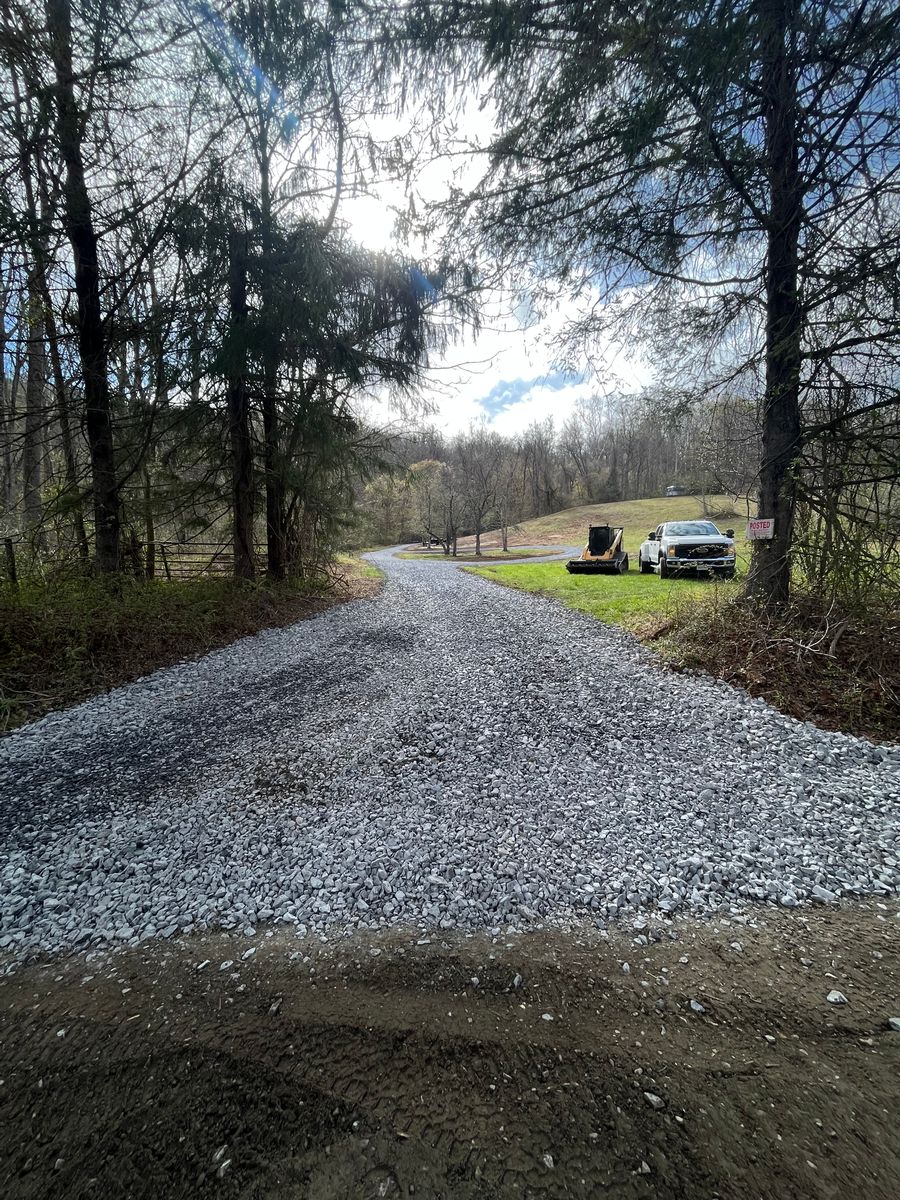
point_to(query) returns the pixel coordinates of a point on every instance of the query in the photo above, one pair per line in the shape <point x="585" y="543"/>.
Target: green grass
<point x="569" y="527"/>
<point x="640" y="603"/>
<point x="358" y="566"/>
<point x="643" y="604"/>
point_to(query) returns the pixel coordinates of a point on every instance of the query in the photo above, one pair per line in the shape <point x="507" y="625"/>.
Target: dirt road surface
<point x="453" y="893"/>
<point x="531" y="1066"/>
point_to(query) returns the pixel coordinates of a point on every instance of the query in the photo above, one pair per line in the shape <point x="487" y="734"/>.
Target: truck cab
<point x="688" y="547"/>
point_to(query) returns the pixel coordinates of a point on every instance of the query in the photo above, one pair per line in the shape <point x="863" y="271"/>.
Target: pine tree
<point x="729" y="168"/>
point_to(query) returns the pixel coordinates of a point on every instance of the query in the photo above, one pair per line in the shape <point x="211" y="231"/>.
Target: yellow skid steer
<point x="604" y="553"/>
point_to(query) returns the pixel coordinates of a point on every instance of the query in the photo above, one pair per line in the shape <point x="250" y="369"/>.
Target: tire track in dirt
<point x="340" y="1072"/>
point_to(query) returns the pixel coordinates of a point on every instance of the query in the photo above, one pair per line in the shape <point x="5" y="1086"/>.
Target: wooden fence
<point x="171" y="560"/>
<point x="187" y="560"/>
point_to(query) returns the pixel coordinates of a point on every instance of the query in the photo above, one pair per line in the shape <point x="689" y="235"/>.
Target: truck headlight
<point x="729" y="547"/>
<point x="671" y="551"/>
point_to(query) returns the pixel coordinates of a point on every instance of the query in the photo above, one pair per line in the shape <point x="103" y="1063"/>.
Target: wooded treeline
<point x="609" y="449"/>
<point x="721" y="181"/>
<point x="185" y="321"/>
<point x="186" y="324"/>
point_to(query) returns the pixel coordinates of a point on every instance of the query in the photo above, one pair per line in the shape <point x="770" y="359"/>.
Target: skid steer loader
<point x="604" y="553"/>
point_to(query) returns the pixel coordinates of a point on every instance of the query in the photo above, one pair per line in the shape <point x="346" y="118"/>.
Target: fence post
<point x="165" y="558"/>
<point x="11" y="572"/>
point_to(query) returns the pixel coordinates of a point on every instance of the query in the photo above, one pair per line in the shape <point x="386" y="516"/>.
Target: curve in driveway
<point x="451" y="754"/>
<point x="553" y="554"/>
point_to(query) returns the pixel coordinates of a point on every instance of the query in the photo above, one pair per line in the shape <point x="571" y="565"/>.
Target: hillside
<point x="569" y="527"/>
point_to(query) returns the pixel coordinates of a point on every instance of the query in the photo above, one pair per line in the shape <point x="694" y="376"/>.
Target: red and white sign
<point x="760" y="528"/>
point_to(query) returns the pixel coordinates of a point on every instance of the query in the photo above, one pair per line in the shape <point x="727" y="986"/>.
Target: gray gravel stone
<point x="435" y="757"/>
<point x="823" y="894"/>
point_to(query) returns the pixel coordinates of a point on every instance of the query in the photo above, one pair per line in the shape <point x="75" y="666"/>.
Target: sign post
<point x="760" y="529"/>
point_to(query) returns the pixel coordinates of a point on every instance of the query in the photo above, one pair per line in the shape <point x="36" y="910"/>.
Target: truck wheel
<point x="645" y="565"/>
<point x="663" y="568"/>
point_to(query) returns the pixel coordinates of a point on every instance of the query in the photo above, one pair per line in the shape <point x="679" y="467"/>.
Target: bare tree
<point x="479" y="454"/>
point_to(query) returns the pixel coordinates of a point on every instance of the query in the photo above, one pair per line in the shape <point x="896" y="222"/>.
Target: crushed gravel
<point x="451" y="754"/>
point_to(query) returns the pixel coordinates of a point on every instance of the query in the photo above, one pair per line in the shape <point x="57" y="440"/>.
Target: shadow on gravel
<point x="471" y="1069"/>
<point x="79" y="782"/>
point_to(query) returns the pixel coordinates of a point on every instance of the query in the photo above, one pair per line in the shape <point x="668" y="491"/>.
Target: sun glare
<point x="370" y="222"/>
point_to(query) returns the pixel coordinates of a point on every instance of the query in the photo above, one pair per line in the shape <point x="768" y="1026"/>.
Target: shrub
<point x="837" y="667"/>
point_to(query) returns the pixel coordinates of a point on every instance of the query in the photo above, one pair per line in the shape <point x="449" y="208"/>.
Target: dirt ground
<point x="471" y="1068"/>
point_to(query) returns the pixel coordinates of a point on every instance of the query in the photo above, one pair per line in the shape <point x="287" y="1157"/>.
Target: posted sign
<point x="760" y="528"/>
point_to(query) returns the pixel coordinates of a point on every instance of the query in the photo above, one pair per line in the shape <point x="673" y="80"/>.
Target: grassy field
<point x="569" y="528"/>
<point x="643" y="604"/>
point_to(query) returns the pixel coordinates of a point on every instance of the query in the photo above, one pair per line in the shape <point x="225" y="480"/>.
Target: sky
<point x="507" y="375"/>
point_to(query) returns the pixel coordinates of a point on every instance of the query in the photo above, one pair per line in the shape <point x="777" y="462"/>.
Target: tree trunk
<point x="275" y="555"/>
<point x="770" y="569"/>
<point x="149" y="528"/>
<point x="93" y="347"/>
<point x="275" y="498"/>
<point x="65" y="431"/>
<point x="239" y="411"/>
<point x="133" y="550"/>
<point x="478" y="540"/>
<point x="41" y="257"/>
<point x="7" y="406"/>
<point x="35" y="396"/>
<point x="9" y="551"/>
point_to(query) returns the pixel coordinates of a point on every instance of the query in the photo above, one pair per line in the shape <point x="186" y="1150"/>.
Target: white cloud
<point x="539" y="403"/>
<point x="508" y="376"/>
<point x="523" y="360"/>
<point x="514" y="346"/>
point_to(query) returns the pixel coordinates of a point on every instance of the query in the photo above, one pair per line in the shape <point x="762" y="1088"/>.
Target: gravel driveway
<point x="450" y="754"/>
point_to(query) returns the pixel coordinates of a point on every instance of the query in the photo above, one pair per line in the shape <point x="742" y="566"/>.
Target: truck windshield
<point x="690" y="528"/>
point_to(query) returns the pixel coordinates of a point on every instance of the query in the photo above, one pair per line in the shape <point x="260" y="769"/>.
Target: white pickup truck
<point x="681" y="546"/>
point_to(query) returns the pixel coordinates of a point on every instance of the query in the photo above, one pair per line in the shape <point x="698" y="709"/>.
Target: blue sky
<point x="509" y="373"/>
<point x="507" y="393"/>
<point x="508" y="376"/>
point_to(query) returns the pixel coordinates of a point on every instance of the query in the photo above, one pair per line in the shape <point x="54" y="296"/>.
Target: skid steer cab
<point x="604" y="553"/>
